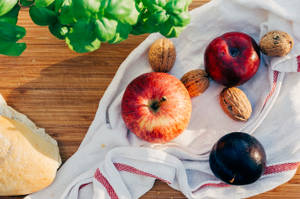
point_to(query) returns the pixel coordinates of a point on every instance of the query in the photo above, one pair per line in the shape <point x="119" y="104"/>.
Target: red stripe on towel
<point x="269" y="170"/>
<point x="130" y="169"/>
<point x="83" y="185"/>
<point x="298" y="62"/>
<point x="110" y="190"/>
<point x="275" y="78"/>
<point x="221" y="184"/>
<point x="124" y="167"/>
<point x="281" y="167"/>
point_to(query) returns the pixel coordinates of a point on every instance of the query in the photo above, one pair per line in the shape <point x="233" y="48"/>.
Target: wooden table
<point x="60" y="90"/>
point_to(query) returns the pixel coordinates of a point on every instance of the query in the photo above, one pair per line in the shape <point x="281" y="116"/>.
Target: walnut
<point x="162" y="55"/>
<point x="235" y="104"/>
<point x="195" y="81"/>
<point x="276" y="43"/>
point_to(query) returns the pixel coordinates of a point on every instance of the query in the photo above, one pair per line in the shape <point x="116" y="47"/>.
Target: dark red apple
<point x="232" y="59"/>
<point x="156" y="107"/>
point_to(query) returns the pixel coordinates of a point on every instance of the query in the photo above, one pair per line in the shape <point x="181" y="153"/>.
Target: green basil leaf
<point x="105" y="29"/>
<point x="140" y="29"/>
<point x="51" y="6"/>
<point x="145" y="24"/>
<point x="10" y="32"/>
<point x="122" y="33"/>
<point x="43" y="3"/>
<point x="174" y="6"/>
<point x="158" y="17"/>
<point x="66" y="15"/>
<point x="26" y="3"/>
<point x="122" y="10"/>
<point x="155" y="5"/>
<point x="42" y="16"/>
<point x="6" y="6"/>
<point x="140" y="6"/>
<point x="85" y="9"/>
<point x="58" y="30"/>
<point x="57" y="5"/>
<point x="12" y="16"/>
<point x="170" y="31"/>
<point x="82" y="37"/>
<point x="11" y="48"/>
<point x="180" y="19"/>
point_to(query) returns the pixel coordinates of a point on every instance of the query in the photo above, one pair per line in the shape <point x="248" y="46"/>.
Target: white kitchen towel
<point x="112" y="162"/>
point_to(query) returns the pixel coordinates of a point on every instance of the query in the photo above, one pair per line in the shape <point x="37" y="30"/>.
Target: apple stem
<point x="163" y="99"/>
<point x="232" y="180"/>
<point x="156" y="104"/>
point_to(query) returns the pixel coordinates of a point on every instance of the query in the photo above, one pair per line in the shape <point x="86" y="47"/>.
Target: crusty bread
<point x="29" y="157"/>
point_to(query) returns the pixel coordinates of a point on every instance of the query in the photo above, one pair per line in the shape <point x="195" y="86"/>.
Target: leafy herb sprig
<point x="85" y="24"/>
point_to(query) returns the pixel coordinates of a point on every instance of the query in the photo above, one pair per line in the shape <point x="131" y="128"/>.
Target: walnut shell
<point x="162" y="55"/>
<point x="195" y="81"/>
<point x="235" y="104"/>
<point x="276" y="43"/>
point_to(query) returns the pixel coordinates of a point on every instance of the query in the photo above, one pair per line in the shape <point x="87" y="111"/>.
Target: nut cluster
<point x="162" y="55"/>
<point x="234" y="102"/>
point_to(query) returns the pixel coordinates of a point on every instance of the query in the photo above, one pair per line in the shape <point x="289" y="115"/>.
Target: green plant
<point x="85" y="24"/>
<point x="10" y="33"/>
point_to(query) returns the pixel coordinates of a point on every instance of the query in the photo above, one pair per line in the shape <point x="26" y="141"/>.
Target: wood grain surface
<point x="60" y="91"/>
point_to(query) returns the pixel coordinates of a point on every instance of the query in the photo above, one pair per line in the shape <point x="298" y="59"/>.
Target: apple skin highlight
<point x="156" y="107"/>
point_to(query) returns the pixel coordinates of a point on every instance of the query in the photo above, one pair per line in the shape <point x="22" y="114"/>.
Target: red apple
<point x="156" y="107"/>
<point x="232" y="59"/>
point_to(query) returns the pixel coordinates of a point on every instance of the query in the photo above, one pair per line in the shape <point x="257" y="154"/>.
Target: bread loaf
<point x="29" y="157"/>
